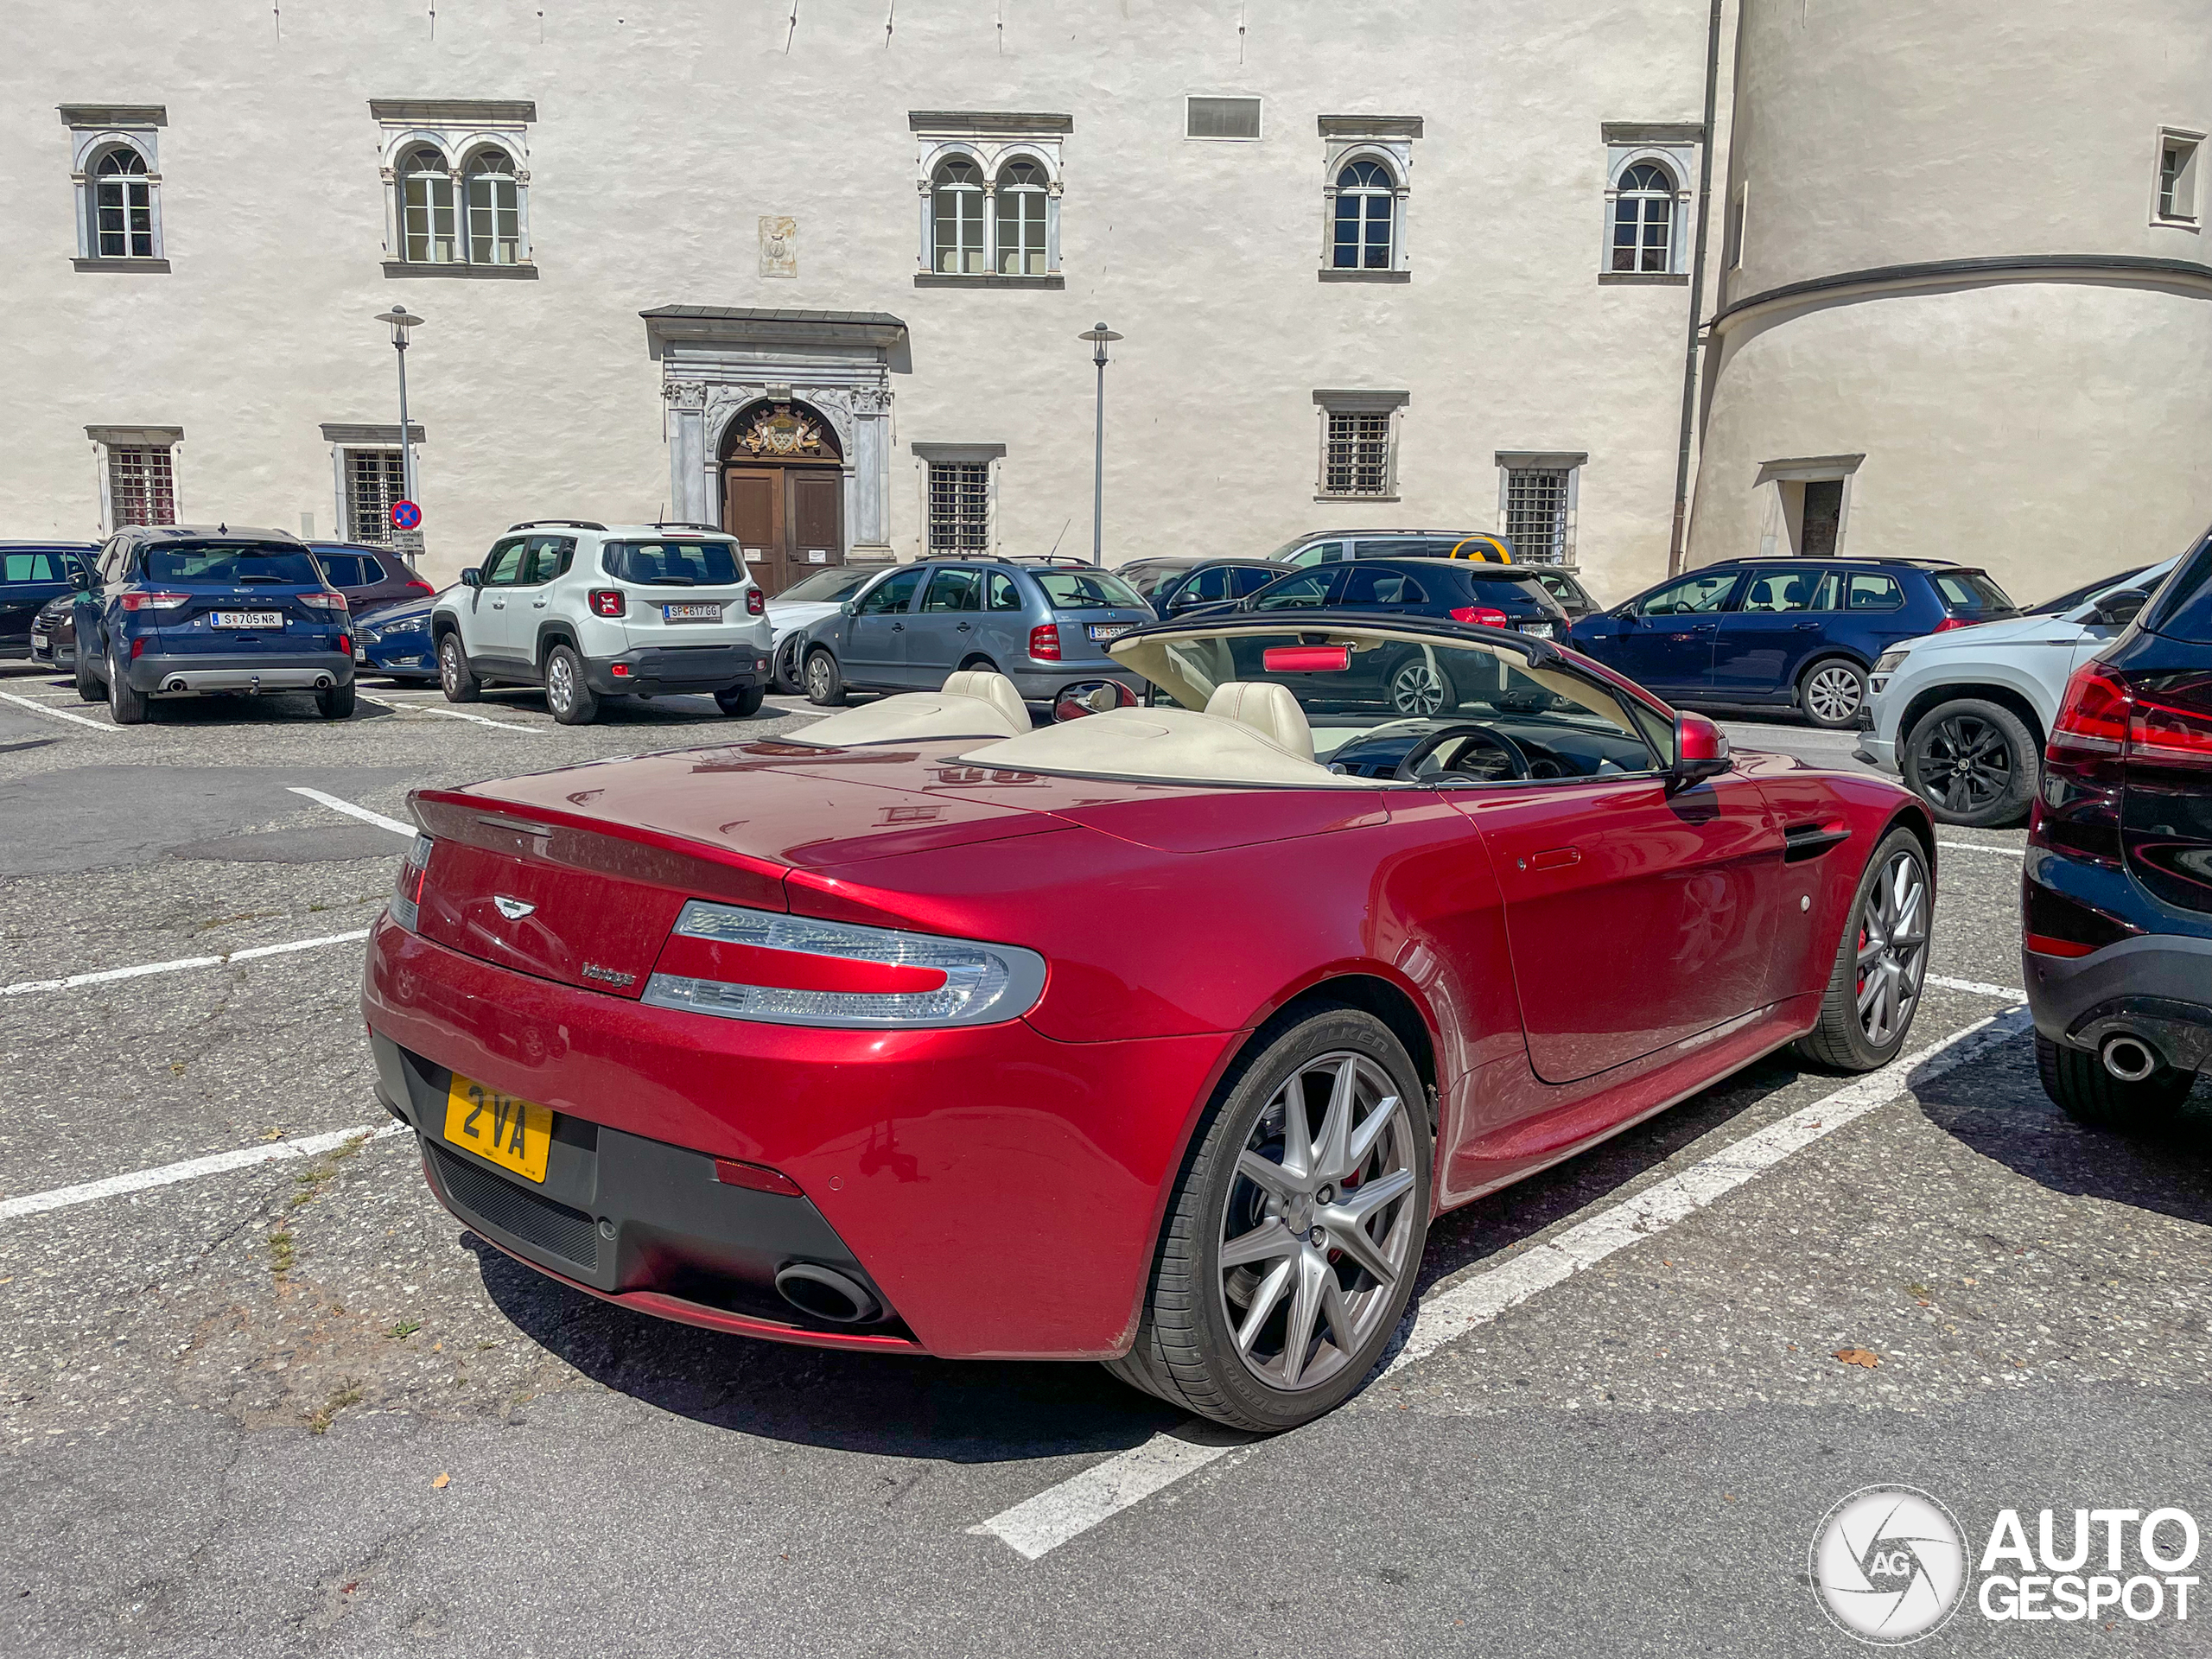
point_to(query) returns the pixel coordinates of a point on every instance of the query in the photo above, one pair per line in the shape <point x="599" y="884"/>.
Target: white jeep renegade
<point x="587" y="611"/>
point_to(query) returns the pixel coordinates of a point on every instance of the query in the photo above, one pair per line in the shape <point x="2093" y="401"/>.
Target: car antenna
<point x="1056" y="540"/>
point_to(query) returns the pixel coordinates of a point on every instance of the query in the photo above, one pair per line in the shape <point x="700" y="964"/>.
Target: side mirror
<point x="1092" y="697"/>
<point x="80" y="580"/>
<point x="847" y="607"/>
<point x="472" y="577"/>
<point x="1700" y="752"/>
<point x="1626" y="616"/>
<point x="2121" y="609"/>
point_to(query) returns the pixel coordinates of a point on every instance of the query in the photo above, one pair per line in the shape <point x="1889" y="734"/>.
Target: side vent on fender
<point x="1803" y="840"/>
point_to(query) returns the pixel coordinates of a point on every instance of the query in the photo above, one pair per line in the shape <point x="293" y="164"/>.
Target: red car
<point x="1156" y="1037"/>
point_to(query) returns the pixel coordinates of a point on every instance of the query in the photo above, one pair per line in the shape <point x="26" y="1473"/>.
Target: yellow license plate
<point x="513" y="1134"/>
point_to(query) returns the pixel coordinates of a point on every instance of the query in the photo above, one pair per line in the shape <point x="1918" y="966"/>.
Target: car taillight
<point x="2093" y="718"/>
<point x="1488" y="616"/>
<point x="147" y="600"/>
<point x="793" y="971"/>
<point x="2084" y="769"/>
<point x="344" y="646"/>
<point x="607" y="601"/>
<point x="1950" y="622"/>
<point x="2171" y="722"/>
<point x="418" y="586"/>
<point x="414" y="871"/>
<point x="756" y="602"/>
<point x="1045" y="642"/>
<point x="325" y="601"/>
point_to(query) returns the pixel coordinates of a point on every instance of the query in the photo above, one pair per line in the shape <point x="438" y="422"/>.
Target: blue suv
<point x="185" y="611"/>
<point x="1790" y="632"/>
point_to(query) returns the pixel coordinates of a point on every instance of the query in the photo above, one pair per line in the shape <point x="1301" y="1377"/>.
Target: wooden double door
<point x="789" y="518"/>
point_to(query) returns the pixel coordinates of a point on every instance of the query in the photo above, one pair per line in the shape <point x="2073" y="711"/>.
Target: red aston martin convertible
<point x="1155" y="1037"/>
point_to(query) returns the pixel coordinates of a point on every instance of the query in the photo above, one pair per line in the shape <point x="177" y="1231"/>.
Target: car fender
<point x="1918" y="687"/>
<point x="552" y="632"/>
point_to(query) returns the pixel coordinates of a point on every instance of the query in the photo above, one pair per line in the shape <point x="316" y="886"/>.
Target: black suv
<point x="1459" y="590"/>
<point x="32" y="575"/>
<point x="2117" y="898"/>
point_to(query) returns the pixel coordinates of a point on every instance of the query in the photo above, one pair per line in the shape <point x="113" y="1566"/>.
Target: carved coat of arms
<point x="781" y="430"/>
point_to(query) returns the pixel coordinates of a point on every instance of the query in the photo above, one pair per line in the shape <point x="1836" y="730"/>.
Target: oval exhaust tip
<point x="825" y="1294"/>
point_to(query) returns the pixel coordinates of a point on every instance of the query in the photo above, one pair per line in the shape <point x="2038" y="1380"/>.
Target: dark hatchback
<point x="1215" y="582"/>
<point x="2117" y="891"/>
<point x="1797" y="633"/>
<point x="1457" y="590"/>
<point x="32" y="575"/>
<point x="370" y="577"/>
<point x="184" y="611"/>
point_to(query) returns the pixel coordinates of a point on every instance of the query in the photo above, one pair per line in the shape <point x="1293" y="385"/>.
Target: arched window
<point x="1021" y="219"/>
<point x="957" y="213"/>
<point x="125" y="205"/>
<point x="426" y="209"/>
<point x="1365" y="196"/>
<point x="494" y="219"/>
<point x="1643" y="219"/>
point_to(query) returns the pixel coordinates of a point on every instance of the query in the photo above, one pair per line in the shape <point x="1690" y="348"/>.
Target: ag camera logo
<point x="1889" y="1564"/>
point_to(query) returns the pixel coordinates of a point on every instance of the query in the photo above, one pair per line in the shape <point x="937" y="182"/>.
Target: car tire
<point x="1884" y="946"/>
<point x="2079" y="1086"/>
<point x="787" y="675"/>
<point x="1188" y="1350"/>
<point x="455" y="678"/>
<point x="126" y="703"/>
<point x="1419" y="686"/>
<point x="336" y="702"/>
<point x="90" y="687"/>
<point x="1976" y="763"/>
<point x="741" y="701"/>
<point x="567" y="697"/>
<point x="1832" y="693"/>
<point x="826" y="686"/>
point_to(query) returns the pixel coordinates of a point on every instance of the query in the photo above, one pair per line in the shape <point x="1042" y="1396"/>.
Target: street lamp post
<point x="401" y="321"/>
<point x="1098" y="336"/>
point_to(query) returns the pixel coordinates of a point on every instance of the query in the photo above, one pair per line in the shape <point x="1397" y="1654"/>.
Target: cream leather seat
<point x="1269" y="709"/>
<point x="993" y="689"/>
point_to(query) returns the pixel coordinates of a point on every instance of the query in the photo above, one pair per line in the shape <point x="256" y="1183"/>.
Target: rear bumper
<point x="1001" y="1191"/>
<point x="654" y="670"/>
<point x="198" y="673"/>
<point x="2157" y="987"/>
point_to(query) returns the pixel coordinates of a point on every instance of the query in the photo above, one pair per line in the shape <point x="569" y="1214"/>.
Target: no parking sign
<point x="405" y="515"/>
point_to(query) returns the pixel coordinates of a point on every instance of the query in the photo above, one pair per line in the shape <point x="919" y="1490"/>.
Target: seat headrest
<point x="1269" y="709"/>
<point x="993" y="689"/>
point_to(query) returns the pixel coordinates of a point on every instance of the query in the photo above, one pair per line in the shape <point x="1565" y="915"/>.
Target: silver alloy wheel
<point x="1892" y="948"/>
<point x="1833" y="694"/>
<point x="1418" y="687"/>
<point x="817" y="675"/>
<point x="449" y="663"/>
<point x="1319" y="1227"/>
<point x="560" y="684"/>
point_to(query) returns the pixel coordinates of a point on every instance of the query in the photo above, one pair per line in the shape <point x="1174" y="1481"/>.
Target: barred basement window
<point x="1357" y="462"/>
<point x="960" y="506"/>
<point x="1535" y="513"/>
<point x="141" y="486"/>
<point x="374" y="479"/>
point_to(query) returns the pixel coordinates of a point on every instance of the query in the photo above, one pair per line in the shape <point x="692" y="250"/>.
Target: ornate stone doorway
<point x="782" y="492"/>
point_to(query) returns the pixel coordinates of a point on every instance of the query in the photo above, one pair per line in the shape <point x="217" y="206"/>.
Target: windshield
<point x="827" y="587"/>
<point x="233" y="564"/>
<point x="673" y="564"/>
<point x="1971" y="590"/>
<point x="1085" y="590"/>
<point x="1372" y="696"/>
<point x="1150" y="579"/>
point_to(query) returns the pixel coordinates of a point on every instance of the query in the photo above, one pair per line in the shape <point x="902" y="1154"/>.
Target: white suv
<point x="588" y="611"/>
<point x="1964" y="715"/>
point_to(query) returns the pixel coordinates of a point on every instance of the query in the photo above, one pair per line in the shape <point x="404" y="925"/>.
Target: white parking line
<point x="62" y="1198"/>
<point x="60" y="714"/>
<point x="1977" y="988"/>
<point x="1994" y="852"/>
<point x="1044" y="1523"/>
<point x="456" y="714"/>
<point x="182" y="963"/>
<point x="353" y="811"/>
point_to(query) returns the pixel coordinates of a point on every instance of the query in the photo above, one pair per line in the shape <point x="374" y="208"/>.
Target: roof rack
<point x="686" y="523"/>
<point x="578" y="524"/>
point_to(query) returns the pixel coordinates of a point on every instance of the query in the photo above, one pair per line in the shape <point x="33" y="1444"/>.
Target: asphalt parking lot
<point x="280" y="1402"/>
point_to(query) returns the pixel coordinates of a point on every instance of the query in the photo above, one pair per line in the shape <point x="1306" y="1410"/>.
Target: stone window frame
<point x="1570" y="462"/>
<point x="990" y="457"/>
<point x="1671" y="145"/>
<point x="106" y="439"/>
<point x="457" y="129"/>
<point x="1388" y="141"/>
<point x="1345" y="400"/>
<point x="2192" y="172"/>
<point x="98" y="129"/>
<point x="992" y="141"/>
<point x="349" y="438"/>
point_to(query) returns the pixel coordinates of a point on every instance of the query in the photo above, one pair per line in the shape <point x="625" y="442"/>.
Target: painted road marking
<point x="21" y="987"/>
<point x="1041" y="1524"/>
<point x="353" y="811"/>
<point x="63" y="1197"/>
<point x="456" y="714"/>
<point x="60" y="714"/>
<point x="1976" y="988"/>
<point x="1994" y="852"/>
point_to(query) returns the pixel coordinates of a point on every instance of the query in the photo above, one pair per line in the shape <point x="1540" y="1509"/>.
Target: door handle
<point x="537" y="604"/>
<point x="964" y="628"/>
<point x="1555" y="858"/>
<point x="898" y="627"/>
<point x="1707" y="627"/>
<point x="1806" y="627"/>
